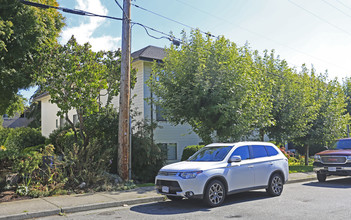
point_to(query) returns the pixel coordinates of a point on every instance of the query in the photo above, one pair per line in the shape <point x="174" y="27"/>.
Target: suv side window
<point x="243" y="152"/>
<point x="271" y="151"/>
<point x="258" y="151"/>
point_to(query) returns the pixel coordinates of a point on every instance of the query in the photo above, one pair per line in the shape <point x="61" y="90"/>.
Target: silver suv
<point x="221" y="169"/>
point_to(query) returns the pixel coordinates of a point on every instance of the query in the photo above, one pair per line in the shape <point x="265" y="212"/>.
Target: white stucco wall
<point x="49" y="117"/>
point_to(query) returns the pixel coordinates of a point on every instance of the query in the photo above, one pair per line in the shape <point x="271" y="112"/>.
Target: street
<point x="306" y="200"/>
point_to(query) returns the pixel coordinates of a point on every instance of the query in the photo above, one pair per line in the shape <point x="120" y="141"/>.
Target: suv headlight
<point x="317" y="158"/>
<point x="189" y="175"/>
<point x="348" y="159"/>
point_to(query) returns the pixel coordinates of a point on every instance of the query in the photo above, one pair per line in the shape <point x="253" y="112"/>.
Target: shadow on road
<point x="188" y="205"/>
<point x="342" y="183"/>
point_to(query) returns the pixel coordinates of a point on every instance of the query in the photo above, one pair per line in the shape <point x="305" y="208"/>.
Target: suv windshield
<point x="211" y="153"/>
<point x="342" y="144"/>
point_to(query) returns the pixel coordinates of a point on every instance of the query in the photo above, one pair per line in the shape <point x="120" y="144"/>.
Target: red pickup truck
<point x="336" y="161"/>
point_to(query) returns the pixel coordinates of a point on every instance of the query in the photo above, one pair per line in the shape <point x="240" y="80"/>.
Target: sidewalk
<point x="46" y="206"/>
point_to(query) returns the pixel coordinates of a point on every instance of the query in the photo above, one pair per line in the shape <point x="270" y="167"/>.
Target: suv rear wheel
<point x="214" y="193"/>
<point x="275" y="185"/>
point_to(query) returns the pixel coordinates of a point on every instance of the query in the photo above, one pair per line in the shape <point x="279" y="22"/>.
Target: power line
<point x="169" y="37"/>
<point x="320" y="18"/>
<point x="67" y="10"/>
<point x="174" y="40"/>
<point x="122" y="9"/>
<point x="85" y="13"/>
<point x="343" y="4"/>
<point x="257" y="34"/>
<point x="326" y="2"/>
<point x="170" y="19"/>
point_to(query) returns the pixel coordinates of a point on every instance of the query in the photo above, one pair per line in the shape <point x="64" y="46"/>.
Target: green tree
<point x="25" y="32"/>
<point x="347" y="92"/>
<point x="331" y="119"/>
<point x="75" y="78"/>
<point x="214" y="86"/>
<point x="294" y="104"/>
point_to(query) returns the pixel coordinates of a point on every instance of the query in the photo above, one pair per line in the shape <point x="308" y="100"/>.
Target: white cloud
<point x="84" y="32"/>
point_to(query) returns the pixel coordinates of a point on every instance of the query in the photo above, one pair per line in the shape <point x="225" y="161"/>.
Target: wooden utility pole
<point x="124" y="103"/>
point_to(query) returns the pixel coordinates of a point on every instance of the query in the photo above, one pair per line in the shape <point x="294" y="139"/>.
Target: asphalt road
<point x="308" y="200"/>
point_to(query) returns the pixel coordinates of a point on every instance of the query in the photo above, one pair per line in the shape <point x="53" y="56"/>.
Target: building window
<point x="159" y="115"/>
<point x="62" y="122"/>
<point x="171" y="149"/>
<point x="75" y="119"/>
<point x="57" y="123"/>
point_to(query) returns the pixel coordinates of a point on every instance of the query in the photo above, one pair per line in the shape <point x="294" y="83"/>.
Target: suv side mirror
<point x="235" y="158"/>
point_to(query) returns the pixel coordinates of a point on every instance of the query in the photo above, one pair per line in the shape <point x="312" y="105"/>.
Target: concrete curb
<point x="29" y="215"/>
<point x="301" y="180"/>
<point x="82" y="208"/>
<point x="110" y="204"/>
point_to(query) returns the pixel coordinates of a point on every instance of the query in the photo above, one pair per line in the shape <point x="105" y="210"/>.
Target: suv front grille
<point x="164" y="173"/>
<point x="333" y="159"/>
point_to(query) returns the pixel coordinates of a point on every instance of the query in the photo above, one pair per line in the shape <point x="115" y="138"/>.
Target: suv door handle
<point x="251" y="166"/>
<point x="271" y="163"/>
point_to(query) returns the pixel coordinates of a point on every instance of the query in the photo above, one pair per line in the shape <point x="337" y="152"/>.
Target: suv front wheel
<point x="214" y="193"/>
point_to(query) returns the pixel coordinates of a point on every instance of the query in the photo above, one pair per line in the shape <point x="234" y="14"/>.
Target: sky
<point x="313" y="32"/>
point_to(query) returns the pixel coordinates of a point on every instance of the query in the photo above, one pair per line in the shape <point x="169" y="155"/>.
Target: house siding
<point x="137" y="94"/>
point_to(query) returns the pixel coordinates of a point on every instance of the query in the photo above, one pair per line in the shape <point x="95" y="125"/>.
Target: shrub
<point x="147" y="157"/>
<point x="21" y="138"/>
<point x="190" y="150"/>
<point x="63" y="139"/>
<point x="39" y="176"/>
<point x="88" y="163"/>
<point x="4" y="132"/>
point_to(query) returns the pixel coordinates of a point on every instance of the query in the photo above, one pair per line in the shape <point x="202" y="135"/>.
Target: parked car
<point x="221" y="169"/>
<point x="336" y="161"/>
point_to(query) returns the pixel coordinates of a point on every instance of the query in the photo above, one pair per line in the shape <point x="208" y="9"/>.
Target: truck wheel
<point x="321" y="177"/>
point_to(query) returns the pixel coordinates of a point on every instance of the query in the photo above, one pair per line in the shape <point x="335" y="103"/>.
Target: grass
<point x="300" y="169"/>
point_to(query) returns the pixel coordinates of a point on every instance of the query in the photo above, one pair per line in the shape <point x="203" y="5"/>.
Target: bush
<point x="16" y="146"/>
<point x="63" y="139"/>
<point x="40" y="176"/>
<point x="88" y="163"/>
<point x="21" y="138"/>
<point x="4" y="132"/>
<point x="147" y="157"/>
<point x="190" y="150"/>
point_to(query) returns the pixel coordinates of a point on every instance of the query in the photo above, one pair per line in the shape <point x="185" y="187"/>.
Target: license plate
<point x="332" y="169"/>
<point x="165" y="189"/>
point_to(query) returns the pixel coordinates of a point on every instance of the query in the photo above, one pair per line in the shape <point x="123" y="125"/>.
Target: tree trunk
<point x="307" y="150"/>
<point x="74" y="129"/>
<point x="261" y="134"/>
